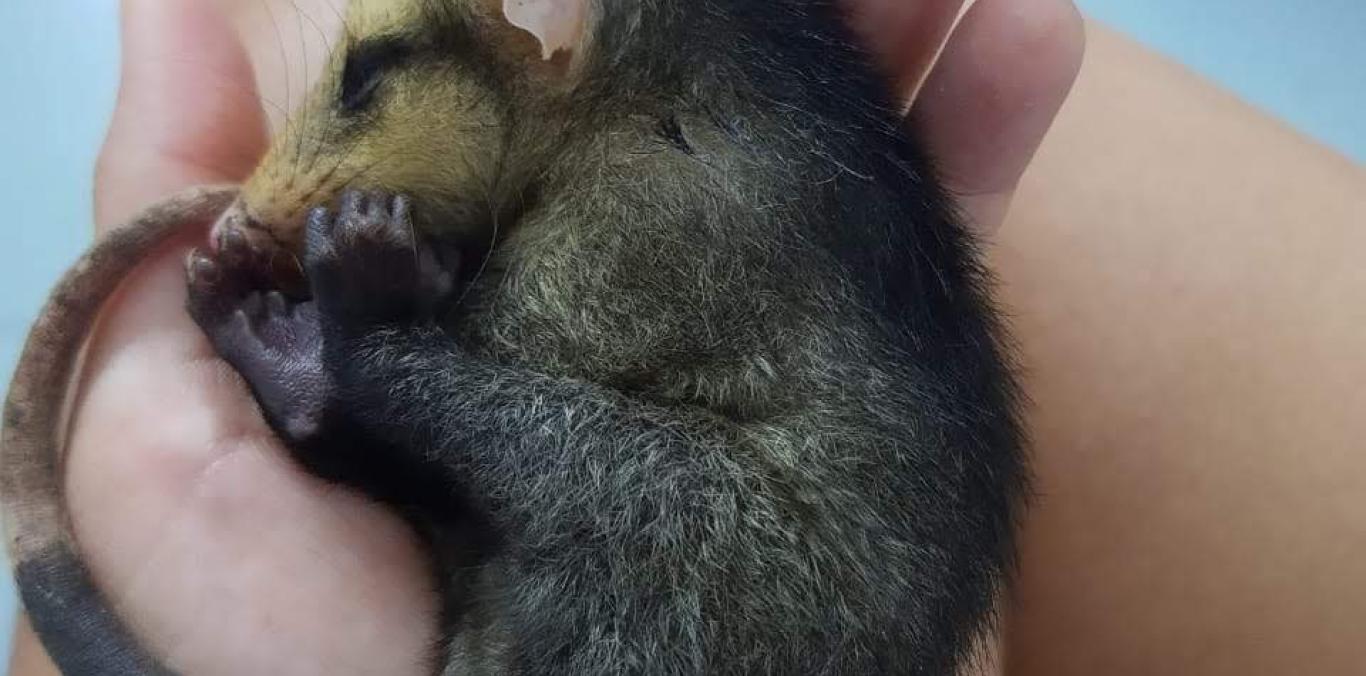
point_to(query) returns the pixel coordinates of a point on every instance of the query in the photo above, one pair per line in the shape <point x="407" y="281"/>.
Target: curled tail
<point x="80" y="631"/>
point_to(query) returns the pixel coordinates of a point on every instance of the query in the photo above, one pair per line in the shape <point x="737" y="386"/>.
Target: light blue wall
<point x="58" y="73"/>
<point x="1304" y="60"/>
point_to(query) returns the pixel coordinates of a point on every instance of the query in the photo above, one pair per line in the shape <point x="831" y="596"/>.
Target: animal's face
<point x="414" y="100"/>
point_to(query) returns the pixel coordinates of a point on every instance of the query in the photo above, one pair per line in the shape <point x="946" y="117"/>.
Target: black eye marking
<point x="366" y="66"/>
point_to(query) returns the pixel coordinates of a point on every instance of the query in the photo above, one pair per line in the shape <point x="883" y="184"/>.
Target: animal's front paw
<point x="367" y="266"/>
<point x="275" y="343"/>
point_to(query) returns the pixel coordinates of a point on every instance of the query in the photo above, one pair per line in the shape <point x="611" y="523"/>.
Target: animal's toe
<point x="214" y="291"/>
<point x="253" y="306"/>
<point x="204" y="272"/>
<point x="235" y="338"/>
<point x="438" y="269"/>
<point x="280" y="323"/>
<point x="361" y="259"/>
<point x="234" y="249"/>
<point x="276" y="306"/>
<point x="374" y="219"/>
<point x="248" y="263"/>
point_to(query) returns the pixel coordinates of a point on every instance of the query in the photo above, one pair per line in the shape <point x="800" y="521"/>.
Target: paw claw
<point x="202" y="269"/>
<point x="233" y="246"/>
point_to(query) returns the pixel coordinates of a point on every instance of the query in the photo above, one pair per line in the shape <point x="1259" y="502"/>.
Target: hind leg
<point x="277" y="342"/>
<point x="273" y="341"/>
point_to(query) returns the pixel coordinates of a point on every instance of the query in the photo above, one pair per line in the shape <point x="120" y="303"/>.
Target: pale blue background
<point x="1304" y="60"/>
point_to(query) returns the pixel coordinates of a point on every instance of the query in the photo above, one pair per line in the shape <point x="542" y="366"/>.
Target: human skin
<point x="1127" y="320"/>
<point x="1185" y="278"/>
<point x="224" y="556"/>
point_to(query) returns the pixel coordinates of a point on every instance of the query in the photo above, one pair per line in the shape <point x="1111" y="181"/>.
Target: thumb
<point x="187" y="110"/>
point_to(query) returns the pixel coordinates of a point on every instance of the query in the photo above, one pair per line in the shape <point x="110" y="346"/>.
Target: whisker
<point x="496" y="222"/>
<point x="301" y="112"/>
<point x="224" y="83"/>
<point x="284" y="61"/>
<point x="323" y="183"/>
<point x="320" y="142"/>
<point x="327" y="43"/>
<point x="341" y="20"/>
<point x="322" y="34"/>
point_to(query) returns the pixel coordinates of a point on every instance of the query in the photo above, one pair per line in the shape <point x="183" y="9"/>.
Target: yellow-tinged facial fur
<point x="409" y="103"/>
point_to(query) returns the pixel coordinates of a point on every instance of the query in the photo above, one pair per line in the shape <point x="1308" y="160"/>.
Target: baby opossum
<point x="670" y="344"/>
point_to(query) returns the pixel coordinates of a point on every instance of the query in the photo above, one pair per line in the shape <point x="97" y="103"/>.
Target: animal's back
<point x="753" y="240"/>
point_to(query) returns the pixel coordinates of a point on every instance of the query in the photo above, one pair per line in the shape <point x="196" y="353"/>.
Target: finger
<point x="27" y="657"/>
<point x="187" y="113"/>
<point x="906" y="35"/>
<point x="187" y="110"/>
<point x="993" y="94"/>
<point x="177" y="122"/>
<point x="289" y="42"/>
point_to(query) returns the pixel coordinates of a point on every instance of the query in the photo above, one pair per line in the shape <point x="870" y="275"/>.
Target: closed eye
<point x="365" y="69"/>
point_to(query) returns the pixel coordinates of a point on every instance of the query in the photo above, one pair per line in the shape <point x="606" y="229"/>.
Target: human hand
<point x="993" y="92"/>
<point x="224" y="556"/>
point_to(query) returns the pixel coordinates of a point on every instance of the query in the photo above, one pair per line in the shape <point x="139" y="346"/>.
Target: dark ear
<point x="559" y="25"/>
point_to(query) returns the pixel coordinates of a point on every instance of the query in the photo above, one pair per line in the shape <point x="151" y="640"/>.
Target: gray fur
<point x="727" y="394"/>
